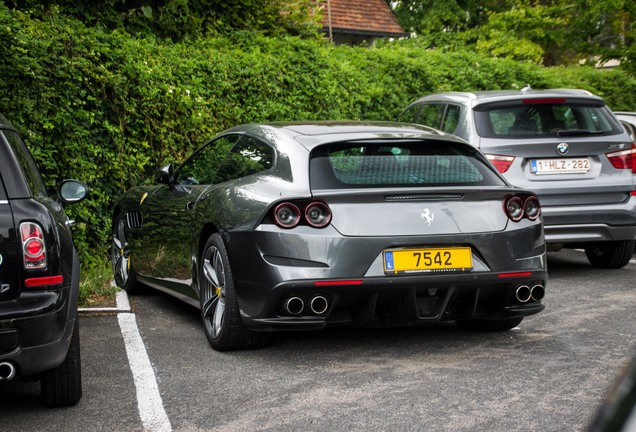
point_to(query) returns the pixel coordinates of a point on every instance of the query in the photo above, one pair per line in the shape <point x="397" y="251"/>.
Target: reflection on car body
<point x="290" y="226"/>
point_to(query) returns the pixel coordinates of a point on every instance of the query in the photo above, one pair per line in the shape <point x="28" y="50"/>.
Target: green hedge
<point x="109" y="108"/>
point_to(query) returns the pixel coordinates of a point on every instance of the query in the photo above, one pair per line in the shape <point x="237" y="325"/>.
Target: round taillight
<point x="514" y="209"/>
<point x="34" y="248"/>
<point x="286" y="215"/>
<point x="318" y="214"/>
<point x="532" y="208"/>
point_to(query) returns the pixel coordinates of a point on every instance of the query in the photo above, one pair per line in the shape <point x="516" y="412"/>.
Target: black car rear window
<point x="532" y="119"/>
<point x="398" y="164"/>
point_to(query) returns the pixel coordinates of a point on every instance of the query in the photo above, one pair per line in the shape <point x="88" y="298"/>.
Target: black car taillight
<point x="522" y="206"/>
<point x="33" y="246"/>
<point x="315" y="213"/>
<point x="514" y="209"/>
<point x="287" y="215"/>
<point x="624" y="159"/>
<point x="318" y="214"/>
<point x="531" y="207"/>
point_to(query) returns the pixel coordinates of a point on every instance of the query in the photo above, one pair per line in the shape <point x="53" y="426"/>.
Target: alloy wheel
<point x="213" y="293"/>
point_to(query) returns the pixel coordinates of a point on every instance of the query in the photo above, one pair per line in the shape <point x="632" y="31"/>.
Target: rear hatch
<point x="391" y="213"/>
<point x="408" y="187"/>
<point x="9" y="263"/>
<point x="569" y="150"/>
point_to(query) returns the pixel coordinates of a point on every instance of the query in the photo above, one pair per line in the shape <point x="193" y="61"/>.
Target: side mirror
<point x="71" y="191"/>
<point x="164" y="174"/>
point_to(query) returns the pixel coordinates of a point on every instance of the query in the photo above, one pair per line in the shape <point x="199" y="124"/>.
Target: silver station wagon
<point x="566" y="146"/>
<point x="289" y="226"/>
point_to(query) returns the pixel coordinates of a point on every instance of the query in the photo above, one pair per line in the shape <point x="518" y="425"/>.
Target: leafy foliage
<point x="109" y="108"/>
<point x="183" y="19"/>
<point x="549" y="32"/>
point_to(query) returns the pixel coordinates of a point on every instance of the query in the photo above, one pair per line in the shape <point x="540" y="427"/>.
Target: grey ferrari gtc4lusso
<point x="299" y="226"/>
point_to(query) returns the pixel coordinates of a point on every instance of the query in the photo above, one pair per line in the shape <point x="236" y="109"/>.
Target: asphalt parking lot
<point x="549" y="374"/>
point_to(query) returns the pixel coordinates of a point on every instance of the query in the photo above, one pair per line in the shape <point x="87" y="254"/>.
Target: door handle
<point x="190" y="205"/>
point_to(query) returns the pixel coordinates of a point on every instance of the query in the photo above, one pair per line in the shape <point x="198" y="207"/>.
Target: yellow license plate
<point x="427" y="260"/>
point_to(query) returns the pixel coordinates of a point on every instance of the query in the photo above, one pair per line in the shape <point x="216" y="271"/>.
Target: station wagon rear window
<point x="399" y="164"/>
<point x="535" y="118"/>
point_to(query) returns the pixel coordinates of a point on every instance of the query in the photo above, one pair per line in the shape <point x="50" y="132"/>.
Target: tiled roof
<point x="373" y="17"/>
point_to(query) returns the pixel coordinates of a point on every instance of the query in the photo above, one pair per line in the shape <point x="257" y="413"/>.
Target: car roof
<point x="312" y="134"/>
<point x="624" y="115"/>
<point x="478" y="97"/>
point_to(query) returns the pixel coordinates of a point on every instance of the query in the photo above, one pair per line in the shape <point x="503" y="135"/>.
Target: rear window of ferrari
<point x="399" y="164"/>
<point x="533" y="118"/>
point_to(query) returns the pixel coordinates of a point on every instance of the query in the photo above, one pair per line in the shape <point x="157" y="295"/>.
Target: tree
<point x="551" y="32"/>
<point x="182" y="19"/>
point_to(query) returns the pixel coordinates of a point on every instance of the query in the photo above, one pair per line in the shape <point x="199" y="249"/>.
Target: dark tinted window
<point x="27" y="164"/>
<point x="431" y="115"/>
<point x="451" y="119"/>
<point x="410" y="115"/>
<point x="520" y="120"/>
<point x="394" y="164"/>
<point x="201" y="167"/>
<point x="249" y="156"/>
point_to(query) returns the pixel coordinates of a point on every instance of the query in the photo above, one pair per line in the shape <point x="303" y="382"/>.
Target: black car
<point x="39" y="276"/>
<point x="289" y="226"/>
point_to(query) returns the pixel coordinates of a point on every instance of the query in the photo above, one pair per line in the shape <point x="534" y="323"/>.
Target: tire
<point x="479" y="325"/>
<point x="611" y="254"/>
<point x="123" y="270"/>
<point x="62" y="386"/>
<point x="220" y="313"/>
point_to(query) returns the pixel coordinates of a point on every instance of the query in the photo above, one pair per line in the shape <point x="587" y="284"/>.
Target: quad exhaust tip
<point x="524" y="293"/>
<point x="7" y="371"/>
<point x="294" y="305"/>
<point x="537" y="292"/>
<point x="319" y="305"/>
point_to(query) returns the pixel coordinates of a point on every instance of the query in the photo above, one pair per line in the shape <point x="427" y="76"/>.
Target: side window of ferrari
<point x="451" y="119"/>
<point x="431" y="115"/>
<point x="249" y="156"/>
<point x="201" y="167"/>
<point x="410" y="115"/>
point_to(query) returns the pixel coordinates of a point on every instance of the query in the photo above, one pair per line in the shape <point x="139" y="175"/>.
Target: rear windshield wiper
<point x="574" y="132"/>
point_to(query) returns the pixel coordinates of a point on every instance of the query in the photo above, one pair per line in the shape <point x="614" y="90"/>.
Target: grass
<point x="96" y="286"/>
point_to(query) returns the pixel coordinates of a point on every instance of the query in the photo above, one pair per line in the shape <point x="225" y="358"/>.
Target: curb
<point x="123" y="306"/>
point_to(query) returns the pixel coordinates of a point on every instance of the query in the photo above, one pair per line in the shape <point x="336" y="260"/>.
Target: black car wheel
<point x="479" y="325"/>
<point x="62" y="386"/>
<point x="611" y="254"/>
<point x="220" y="313"/>
<point x="123" y="271"/>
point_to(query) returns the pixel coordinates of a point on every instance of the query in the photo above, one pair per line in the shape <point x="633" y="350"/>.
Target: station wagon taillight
<point x="33" y="247"/>
<point x="624" y="159"/>
<point x="522" y="206"/>
<point x="288" y="215"/>
<point x="502" y="163"/>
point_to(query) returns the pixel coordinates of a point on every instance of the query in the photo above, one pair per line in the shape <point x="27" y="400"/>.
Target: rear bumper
<point x="39" y="338"/>
<point x="577" y="233"/>
<point x="399" y="301"/>
<point x="590" y="223"/>
<point x="36" y="328"/>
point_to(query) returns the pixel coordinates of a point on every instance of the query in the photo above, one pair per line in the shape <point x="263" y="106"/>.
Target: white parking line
<point x="151" y="411"/>
<point x="123" y="305"/>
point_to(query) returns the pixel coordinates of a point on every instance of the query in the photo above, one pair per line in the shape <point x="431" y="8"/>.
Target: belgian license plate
<point x="560" y="166"/>
<point x="427" y="260"/>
